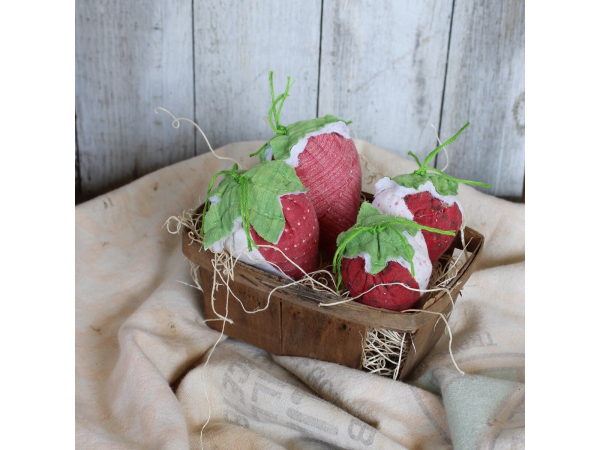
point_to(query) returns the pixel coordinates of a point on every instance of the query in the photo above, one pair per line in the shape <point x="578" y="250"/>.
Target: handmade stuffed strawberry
<point x="326" y="161"/>
<point x="253" y="210"/>
<point x="427" y="198"/>
<point x="379" y="249"/>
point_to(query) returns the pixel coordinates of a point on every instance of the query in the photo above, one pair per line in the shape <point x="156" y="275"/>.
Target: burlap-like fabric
<point x="141" y="342"/>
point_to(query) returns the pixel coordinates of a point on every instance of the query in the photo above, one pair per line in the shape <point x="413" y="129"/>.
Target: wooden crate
<point x="295" y="325"/>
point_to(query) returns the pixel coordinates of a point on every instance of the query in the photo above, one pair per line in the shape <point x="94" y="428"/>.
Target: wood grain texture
<point x="316" y="334"/>
<point x="261" y="329"/>
<point x="131" y="57"/>
<point x="383" y="66"/>
<point x="236" y="44"/>
<point x="425" y="338"/>
<point x="485" y="85"/>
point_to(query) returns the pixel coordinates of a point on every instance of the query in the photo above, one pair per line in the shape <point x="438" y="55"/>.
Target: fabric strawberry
<point x="253" y="210"/>
<point x="326" y="161"/>
<point x="379" y="249"/>
<point x="427" y="198"/>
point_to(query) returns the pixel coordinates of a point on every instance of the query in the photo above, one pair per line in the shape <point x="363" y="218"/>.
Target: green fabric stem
<point x="287" y="136"/>
<point x="274" y="112"/>
<point x="444" y="184"/>
<point x="381" y="236"/>
<point x="252" y="194"/>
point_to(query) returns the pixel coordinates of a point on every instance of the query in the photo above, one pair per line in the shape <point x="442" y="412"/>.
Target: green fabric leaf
<point x="382" y="243"/>
<point x="442" y="185"/>
<point x="266" y="182"/>
<point x="218" y="221"/>
<point x="282" y="143"/>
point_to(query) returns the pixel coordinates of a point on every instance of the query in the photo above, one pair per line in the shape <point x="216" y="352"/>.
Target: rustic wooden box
<point x="295" y="325"/>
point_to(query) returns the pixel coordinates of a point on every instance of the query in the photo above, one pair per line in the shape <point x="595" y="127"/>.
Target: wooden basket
<point x="295" y="325"/>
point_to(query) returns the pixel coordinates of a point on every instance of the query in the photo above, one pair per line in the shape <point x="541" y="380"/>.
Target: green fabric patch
<point x="282" y="144"/>
<point x="261" y="186"/>
<point x="380" y="240"/>
<point x="442" y="185"/>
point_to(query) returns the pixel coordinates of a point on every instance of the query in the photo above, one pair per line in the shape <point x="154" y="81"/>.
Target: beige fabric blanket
<point x="141" y="343"/>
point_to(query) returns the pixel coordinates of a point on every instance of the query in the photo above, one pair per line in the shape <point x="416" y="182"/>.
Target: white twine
<point x="176" y="123"/>
<point x="449" y="332"/>
<point x="204" y="368"/>
<point x="444" y="148"/>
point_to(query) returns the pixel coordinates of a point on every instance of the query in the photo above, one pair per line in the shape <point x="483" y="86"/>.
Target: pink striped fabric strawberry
<point x="326" y="161"/>
<point x="382" y="249"/>
<point x="263" y="216"/>
<point x="427" y="198"/>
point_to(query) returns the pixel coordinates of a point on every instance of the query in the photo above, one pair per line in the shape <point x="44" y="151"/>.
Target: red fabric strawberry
<point x="383" y="249"/>
<point x="357" y="280"/>
<point x="252" y="211"/>
<point x="427" y="198"/>
<point x="299" y="240"/>
<point x="326" y="161"/>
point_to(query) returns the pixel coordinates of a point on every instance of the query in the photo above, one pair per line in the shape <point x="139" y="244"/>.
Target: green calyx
<point x="287" y="136"/>
<point x="381" y="236"/>
<point x="444" y="184"/>
<point x="252" y="195"/>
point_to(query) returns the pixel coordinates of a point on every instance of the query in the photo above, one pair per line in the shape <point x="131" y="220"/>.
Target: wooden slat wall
<point x="236" y="44"/>
<point x="486" y="86"/>
<point x="392" y="67"/>
<point x="383" y="66"/>
<point x="130" y="58"/>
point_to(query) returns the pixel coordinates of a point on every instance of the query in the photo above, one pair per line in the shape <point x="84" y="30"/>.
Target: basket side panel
<point x="318" y="335"/>
<point x="423" y="340"/>
<point x="261" y="329"/>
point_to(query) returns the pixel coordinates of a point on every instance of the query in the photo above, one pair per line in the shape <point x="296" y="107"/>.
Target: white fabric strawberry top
<point x="236" y="244"/>
<point x="338" y="127"/>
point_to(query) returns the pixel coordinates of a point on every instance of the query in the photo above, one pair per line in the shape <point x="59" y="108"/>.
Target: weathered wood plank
<point x="130" y="58"/>
<point x="317" y="334"/>
<point x="486" y="86"/>
<point x="261" y="329"/>
<point x="233" y="55"/>
<point x="77" y="169"/>
<point x="383" y="66"/>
